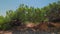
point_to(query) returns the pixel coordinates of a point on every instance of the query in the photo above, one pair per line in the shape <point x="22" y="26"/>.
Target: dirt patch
<point x="40" y="27"/>
<point x="5" y="32"/>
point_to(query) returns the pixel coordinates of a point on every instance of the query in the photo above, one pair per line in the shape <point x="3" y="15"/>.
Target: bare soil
<point x="40" y="27"/>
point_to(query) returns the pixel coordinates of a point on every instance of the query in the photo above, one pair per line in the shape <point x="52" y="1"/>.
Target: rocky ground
<point x="42" y="28"/>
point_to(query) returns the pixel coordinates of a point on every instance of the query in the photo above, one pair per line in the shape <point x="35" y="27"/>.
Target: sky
<point x="14" y="4"/>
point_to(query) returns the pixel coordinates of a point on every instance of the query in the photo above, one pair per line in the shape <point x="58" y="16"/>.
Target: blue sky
<point x="13" y="4"/>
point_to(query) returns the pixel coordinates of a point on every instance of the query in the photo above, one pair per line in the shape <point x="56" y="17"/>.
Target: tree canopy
<point x="30" y="14"/>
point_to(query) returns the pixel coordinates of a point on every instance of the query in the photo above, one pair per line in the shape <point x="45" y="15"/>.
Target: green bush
<point x="29" y="14"/>
<point x="5" y="26"/>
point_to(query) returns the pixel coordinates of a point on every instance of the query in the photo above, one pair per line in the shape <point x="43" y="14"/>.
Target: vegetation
<point x="25" y="14"/>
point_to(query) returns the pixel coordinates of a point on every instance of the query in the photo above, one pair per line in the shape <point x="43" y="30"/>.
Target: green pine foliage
<point x="25" y="14"/>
